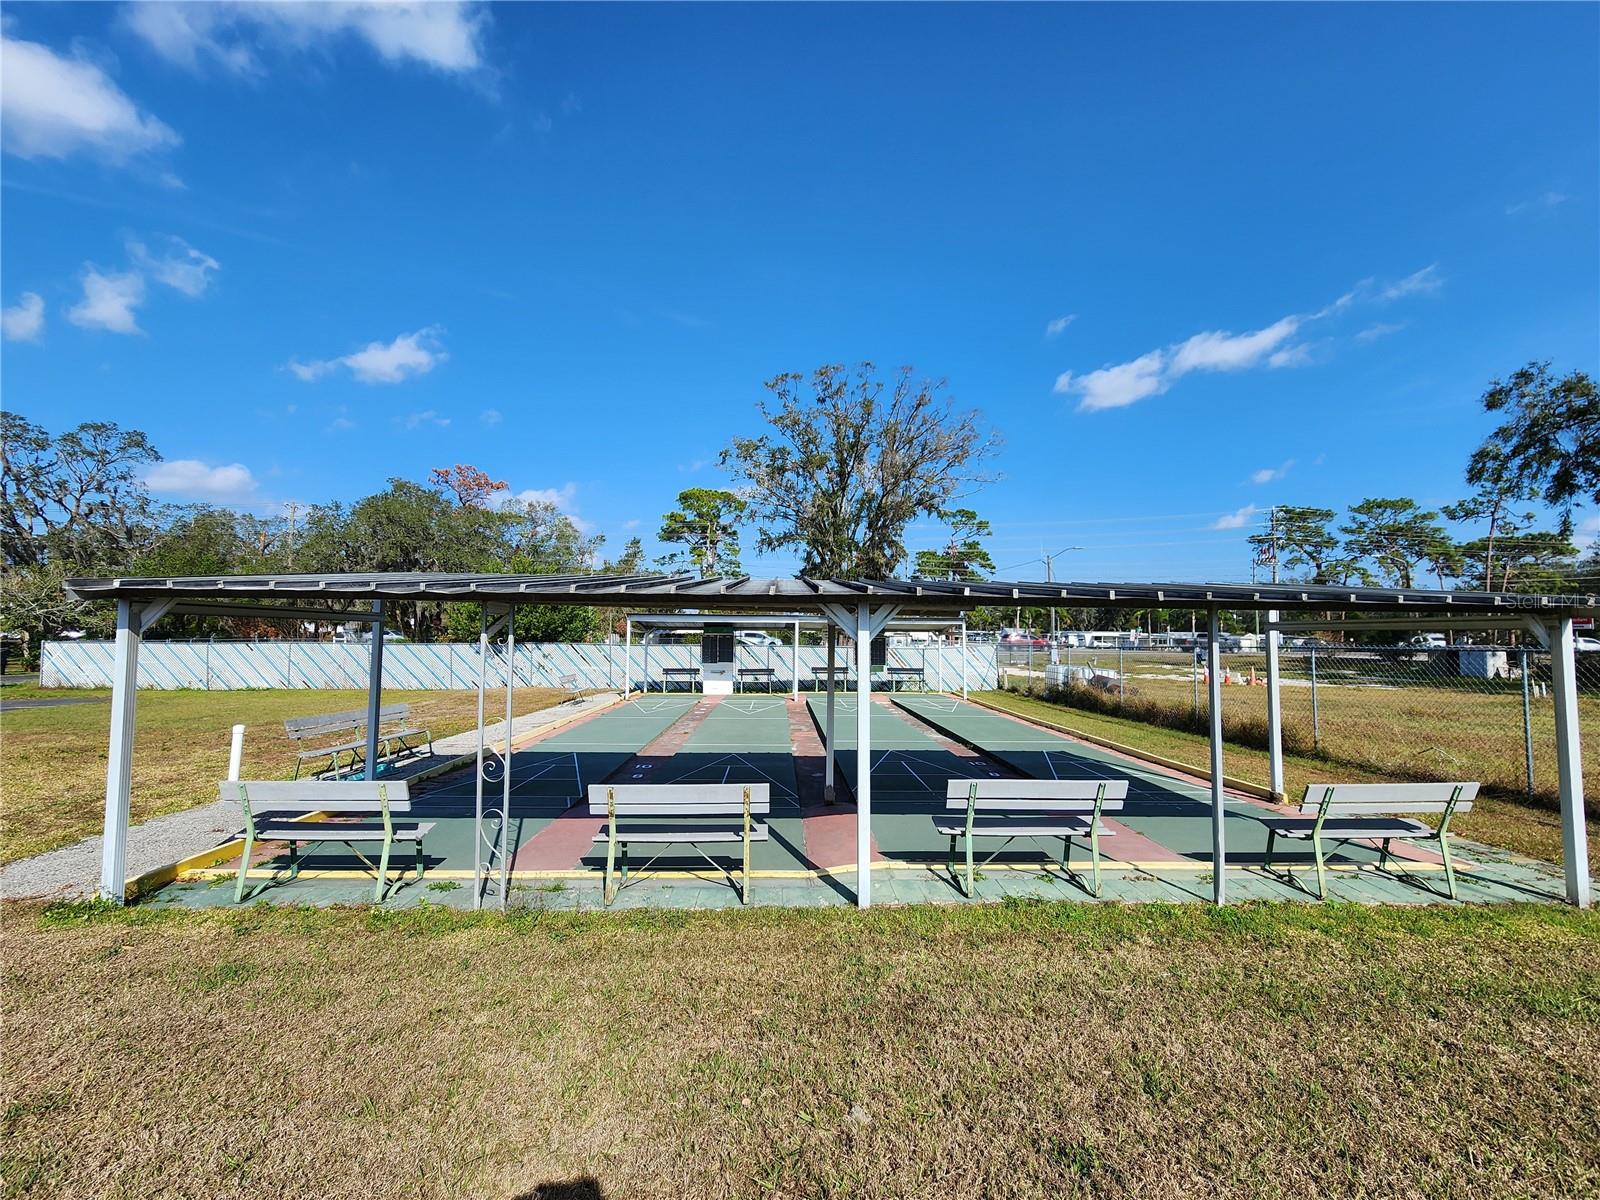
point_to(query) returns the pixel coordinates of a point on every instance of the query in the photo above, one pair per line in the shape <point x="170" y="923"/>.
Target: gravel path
<point x="74" y="871"/>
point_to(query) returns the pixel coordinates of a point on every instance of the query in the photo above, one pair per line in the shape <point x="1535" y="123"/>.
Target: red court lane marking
<point x="830" y="829"/>
<point x="562" y="844"/>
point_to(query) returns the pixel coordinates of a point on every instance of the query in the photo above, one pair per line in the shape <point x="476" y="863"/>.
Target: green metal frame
<point x="381" y="870"/>
<point x="964" y="878"/>
<point x="1441" y="835"/>
<point x="617" y="854"/>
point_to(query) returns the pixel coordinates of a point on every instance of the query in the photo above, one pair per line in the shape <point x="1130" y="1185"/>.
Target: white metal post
<point x="1274" y="707"/>
<point x="374" y="688"/>
<point x="963" y="658"/>
<point x="863" y="756"/>
<point x="627" y="659"/>
<point x="505" y="779"/>
<point x="1219" y="856"/>
<point x="119" y="763"/>
<point x="827" y="733"/>
<point x="794" y="663"/>
<point x="1569" y="761"/>
<point x="477" y="781"/>
<point x="236" y="754"/>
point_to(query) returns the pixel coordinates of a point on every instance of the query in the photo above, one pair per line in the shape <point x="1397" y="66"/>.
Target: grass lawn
<point x="989" y="1051"/>
<point x="53" y="760"/>
<point x="1524" y="828"/>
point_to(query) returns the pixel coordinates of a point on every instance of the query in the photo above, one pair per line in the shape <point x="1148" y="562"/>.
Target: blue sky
<point x="1189" y="261"/>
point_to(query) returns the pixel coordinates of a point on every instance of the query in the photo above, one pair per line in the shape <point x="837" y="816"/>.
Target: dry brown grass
<point x="1022" y="1050"/>
<point x="53" y="760"/>
<point x="1513" y="824"/>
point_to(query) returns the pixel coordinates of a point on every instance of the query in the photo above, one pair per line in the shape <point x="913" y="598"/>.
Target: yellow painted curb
<point x="1172" y="764"/>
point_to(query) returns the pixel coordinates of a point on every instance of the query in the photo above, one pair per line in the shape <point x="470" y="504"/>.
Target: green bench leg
<point x="969" y="865"/>
<point x="294" y="860"/>
<point x="1449" y="867"/>
<point x="420" y="866"/>
<point x="1094" y="855"/>
<point x="1322" y="870"/>
<point x="1272" y="838"/>
<point x="609" y="892"/>
<point x="383" y="874"/>
<point x="955" y="871"/>
<point x="744" y="888"/>
<point x="244" y="865"/>
<point x="625" y="862"/>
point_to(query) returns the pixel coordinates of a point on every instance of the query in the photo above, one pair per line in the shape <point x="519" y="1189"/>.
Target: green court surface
<point x="1160" y="848"/>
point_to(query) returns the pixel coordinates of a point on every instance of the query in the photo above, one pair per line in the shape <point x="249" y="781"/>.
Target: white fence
<point x="226" y="666"/>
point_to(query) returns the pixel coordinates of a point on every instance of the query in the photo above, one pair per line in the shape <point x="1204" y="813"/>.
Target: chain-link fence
<point x="1408" y="712"/>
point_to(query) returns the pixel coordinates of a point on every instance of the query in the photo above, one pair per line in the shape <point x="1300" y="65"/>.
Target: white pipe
<point x="794" y="663"/>
<point x="505" y="779"/>
<point x="963" y="658"/>
<point x="627" y="659"/>
<point x="236" y="754"/>
<point x="477" y="790"/>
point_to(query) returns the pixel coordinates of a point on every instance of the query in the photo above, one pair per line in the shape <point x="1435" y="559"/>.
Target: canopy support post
<point x="794" y="663"/>
<point x="1274" y="709"/>
<point x="477" y="778"/>
<point x="1569" y="761"/>
<point x="505" y="774"/>
<point x="963" y="658"/>
<point x="1219" y="855"/>
<point x="627" y="658"/>
<point x="374" y="687"/>
<point x="827" y="732"/>
<point x="119" y="762"/>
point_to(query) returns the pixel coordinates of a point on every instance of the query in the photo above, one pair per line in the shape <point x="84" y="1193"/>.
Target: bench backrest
<point x="1383" y="799"/>
<point x="301" y="728"/>
<point x="1035" y="795"/>
<point x="317" y="795"/>
<point x="570" y="682"/>
<point x="678" y="799"/>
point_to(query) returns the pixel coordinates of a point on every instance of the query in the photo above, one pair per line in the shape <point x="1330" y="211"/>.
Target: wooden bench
<point x="768" y="674"/>
<point x="899" y="675"/>
<point x="690" y="675"/>
<point x="351" y="728"/>
<point x="841" y="672"/>
<point x="1359" y="812"/>
<point x="570" y="685"/>
<point x="1028" y="808"/>
<point x="279" y="811"/>
<point x="688" y="814"/>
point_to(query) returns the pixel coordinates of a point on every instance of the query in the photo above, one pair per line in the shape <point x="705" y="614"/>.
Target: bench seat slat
<point x="1018" y="792"/>
<point x="689" y="832"/>
<point x="1365" y="809"/>
<point x="1336" y="828"/>
<point x="338" y="831"/>
<point x="1019" y="826"/>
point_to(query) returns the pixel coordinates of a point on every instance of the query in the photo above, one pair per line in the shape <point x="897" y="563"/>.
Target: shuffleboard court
<point x="1175" y="813"/>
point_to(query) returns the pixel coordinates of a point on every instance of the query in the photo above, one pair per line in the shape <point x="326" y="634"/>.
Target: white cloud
<point x="381" y="362"/>
<point x="1538" y="204"/>
<point x="1219" y="351"/>
<point x="1587" y="534"/>
<point x="1059" y="326"/>
<point x="1382" y="329"/>
<point x="563" y="498"/>
<point x="56" y="107"/>
<point x="24" y="320"/>
<point x="1424" y="282"/>
<point x="109" y="301"/>
<point x="1271" y="474"/>
<point x="1237" y="519"/>
<point x="633" y="524"/>
<point x="446" y="37"/>
<point x="194" y="479"/>
<point x="426" y="417"/>
<point x="1274" y="346"/>
<point x="1119" y="386"/>
<point x="340" y="425"/>
<point x="490" y="416"/>
<point x="175" y="263"/>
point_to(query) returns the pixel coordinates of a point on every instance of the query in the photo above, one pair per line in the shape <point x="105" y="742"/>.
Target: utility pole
<point x="294" y="508"/>
<point x="1050" y="577"/>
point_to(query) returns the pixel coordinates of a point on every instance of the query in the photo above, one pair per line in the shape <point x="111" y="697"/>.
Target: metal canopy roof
<point x="811" y="621"/>
<point x="784" y="595"/>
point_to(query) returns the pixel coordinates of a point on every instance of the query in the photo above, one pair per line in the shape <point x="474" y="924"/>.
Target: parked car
<point x="1430" y="641"/>
<point x="754" y="637"/>
<point x="1586" y="645"/>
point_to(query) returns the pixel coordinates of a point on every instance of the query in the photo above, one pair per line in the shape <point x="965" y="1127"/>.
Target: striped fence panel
<point x="443" y="666"/>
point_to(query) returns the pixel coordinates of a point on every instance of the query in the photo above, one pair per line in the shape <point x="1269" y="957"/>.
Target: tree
<point x="963" y="556"/>
<point x="705" y="524"/>
<point x="1300" y="540"/>
<point x="1550" y="440"/>
<point x="1396" y="535"/>
<point x="1499" y="487"/>
<point x="76" y="499"/>
<point x="466" y="483"/>
<point x="849" y="462"/>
